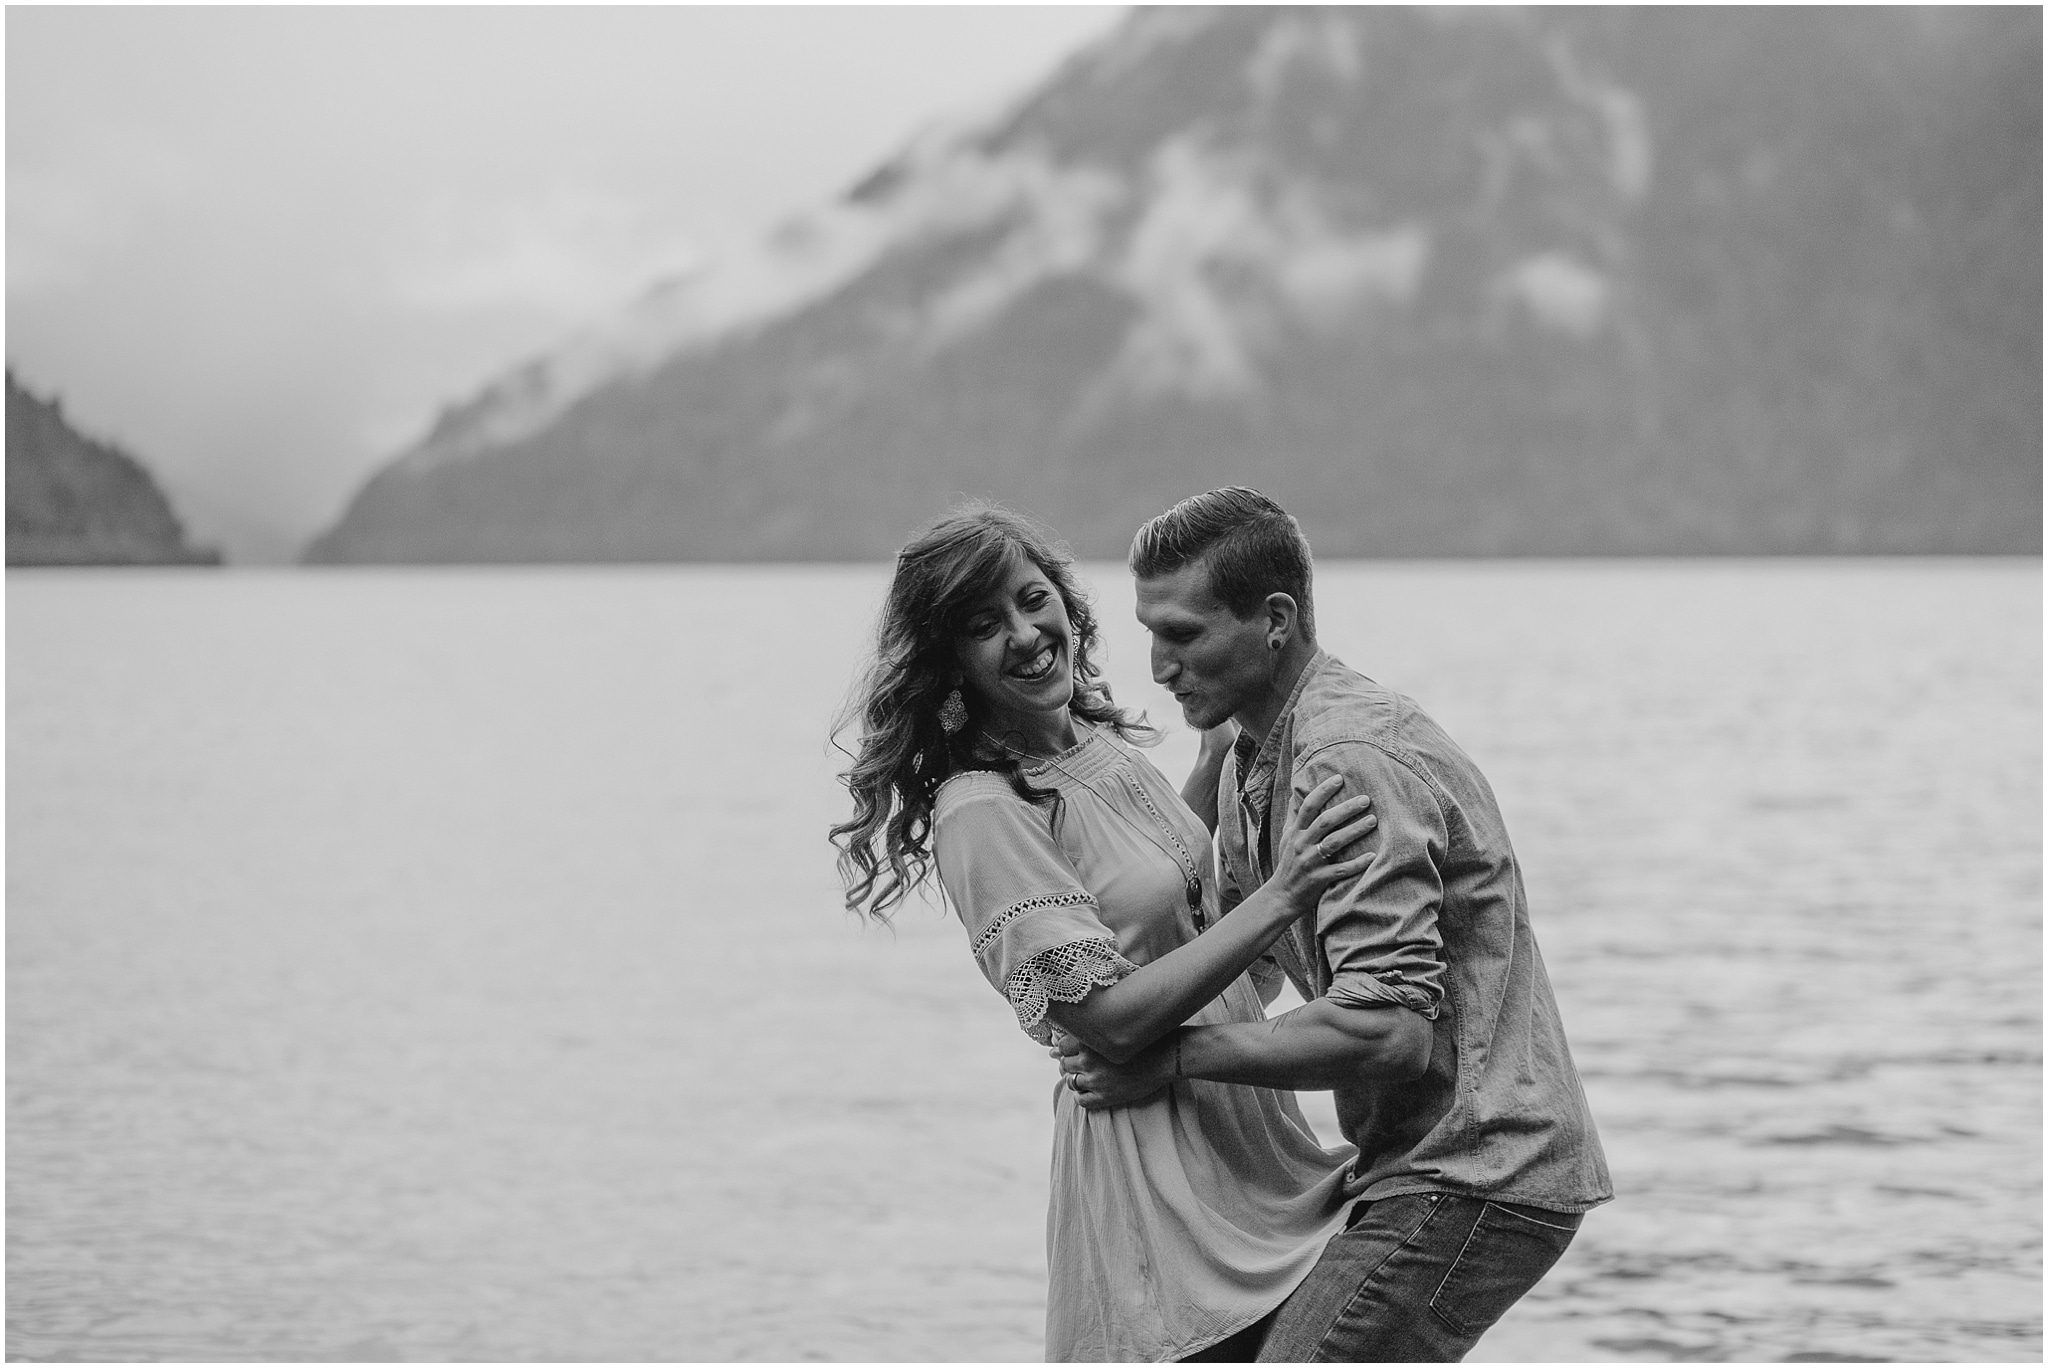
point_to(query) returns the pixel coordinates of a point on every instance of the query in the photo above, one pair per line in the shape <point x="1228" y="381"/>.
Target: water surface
<point x="448" y="964"/>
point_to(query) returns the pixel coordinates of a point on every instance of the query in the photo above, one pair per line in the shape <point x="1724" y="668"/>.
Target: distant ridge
<point x="75" y="501"/>
<point x="1445" y="282"/>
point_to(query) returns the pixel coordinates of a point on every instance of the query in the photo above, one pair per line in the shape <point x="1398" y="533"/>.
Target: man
<point x="1428" y="1011"/>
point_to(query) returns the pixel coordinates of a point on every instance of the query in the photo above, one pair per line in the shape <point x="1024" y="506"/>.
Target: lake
<point x="449" y="964"/>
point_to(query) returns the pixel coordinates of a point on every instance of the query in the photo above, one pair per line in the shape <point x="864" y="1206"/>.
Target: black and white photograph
<point x="1023" y="683"/>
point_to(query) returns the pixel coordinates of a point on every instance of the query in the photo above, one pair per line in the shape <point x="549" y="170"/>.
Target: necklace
<point x="1026" y="756"/>
<point x="1179" y="851"/>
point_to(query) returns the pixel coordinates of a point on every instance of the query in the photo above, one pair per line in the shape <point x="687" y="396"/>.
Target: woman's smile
<point x="1039" y="666"/>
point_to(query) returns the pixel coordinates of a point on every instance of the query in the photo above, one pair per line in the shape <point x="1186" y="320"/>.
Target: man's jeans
<point x="1416" y="1279"/>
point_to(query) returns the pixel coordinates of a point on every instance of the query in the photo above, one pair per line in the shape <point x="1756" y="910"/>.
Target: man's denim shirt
<point x="1437" y="924"/>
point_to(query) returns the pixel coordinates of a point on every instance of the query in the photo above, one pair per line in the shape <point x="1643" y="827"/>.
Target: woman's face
<point x="1016" y="648"/>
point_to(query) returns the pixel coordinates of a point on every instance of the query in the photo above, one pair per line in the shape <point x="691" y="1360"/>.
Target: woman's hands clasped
<point x="1310" y="855"/>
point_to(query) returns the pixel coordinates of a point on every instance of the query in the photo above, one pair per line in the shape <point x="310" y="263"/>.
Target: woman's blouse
<point x="1177" y="1221"/>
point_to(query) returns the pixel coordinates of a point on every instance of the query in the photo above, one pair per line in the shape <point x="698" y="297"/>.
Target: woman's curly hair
<point x="904" y="754"/>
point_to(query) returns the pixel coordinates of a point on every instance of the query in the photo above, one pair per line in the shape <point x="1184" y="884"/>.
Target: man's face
<point x="1214" y="662"/>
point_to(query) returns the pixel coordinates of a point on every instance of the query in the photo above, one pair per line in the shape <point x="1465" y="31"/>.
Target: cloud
<point x="65" y="217"/>
<point x="569" y="252"/>
<point x="1561" y="292"/>
<point x="264" y="244"/>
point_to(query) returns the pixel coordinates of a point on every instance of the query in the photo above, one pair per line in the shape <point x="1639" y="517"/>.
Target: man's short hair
<point x="1252" y="548"/>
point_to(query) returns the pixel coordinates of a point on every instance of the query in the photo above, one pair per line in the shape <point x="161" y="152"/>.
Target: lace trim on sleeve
<point x="1063" y="973"/>
<point x="1016" y="910"/>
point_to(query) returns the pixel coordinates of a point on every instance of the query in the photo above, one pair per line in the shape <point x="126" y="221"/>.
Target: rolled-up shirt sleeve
<point x="1379" y="930"/>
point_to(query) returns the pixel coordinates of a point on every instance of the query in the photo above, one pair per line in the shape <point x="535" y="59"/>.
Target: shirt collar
<point x="1256" y="763"/>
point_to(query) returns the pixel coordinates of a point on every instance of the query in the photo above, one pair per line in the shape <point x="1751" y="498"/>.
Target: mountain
<point x="1444" y="282"/>
<point x="75" y="501"/>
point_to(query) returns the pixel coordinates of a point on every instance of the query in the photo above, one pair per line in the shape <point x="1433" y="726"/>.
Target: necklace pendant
<point x="1194" y="891"/>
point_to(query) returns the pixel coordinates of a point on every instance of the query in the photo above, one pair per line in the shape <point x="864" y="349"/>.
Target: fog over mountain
<point x="1452" y="282"/>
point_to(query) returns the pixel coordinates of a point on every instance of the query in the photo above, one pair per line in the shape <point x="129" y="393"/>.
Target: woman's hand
<point x="1098" y="1084"/>
<point x="1311" y="850"/>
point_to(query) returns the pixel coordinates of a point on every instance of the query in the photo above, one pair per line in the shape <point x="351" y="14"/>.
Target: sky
<point x="261" y="247"/>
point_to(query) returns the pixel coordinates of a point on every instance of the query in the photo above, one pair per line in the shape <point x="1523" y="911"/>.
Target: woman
<point x="991" y="752"/>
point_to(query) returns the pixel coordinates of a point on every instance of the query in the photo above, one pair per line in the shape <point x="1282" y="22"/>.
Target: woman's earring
<point x="952" y="713"/>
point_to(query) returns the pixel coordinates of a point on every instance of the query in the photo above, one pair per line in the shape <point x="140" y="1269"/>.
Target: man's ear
<point x="1282" y="619"/>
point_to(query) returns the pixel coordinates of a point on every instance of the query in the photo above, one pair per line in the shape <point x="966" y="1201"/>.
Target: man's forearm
<point x="1318" y="1046"/>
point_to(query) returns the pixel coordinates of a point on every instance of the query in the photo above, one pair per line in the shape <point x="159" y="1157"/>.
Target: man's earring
<point x="952" y="713"/>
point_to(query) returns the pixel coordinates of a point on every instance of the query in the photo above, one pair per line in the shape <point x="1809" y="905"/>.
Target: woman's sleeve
<point x="1035" y="931"/>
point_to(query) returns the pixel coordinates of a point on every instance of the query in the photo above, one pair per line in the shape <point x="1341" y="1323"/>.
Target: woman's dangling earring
<point x="952" y="713"/>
